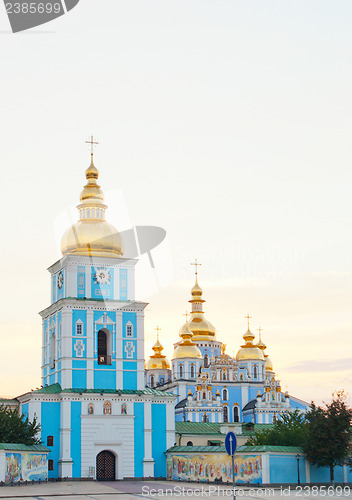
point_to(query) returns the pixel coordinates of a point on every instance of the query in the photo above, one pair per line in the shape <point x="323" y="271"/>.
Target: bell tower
<point x="93" y="331"/>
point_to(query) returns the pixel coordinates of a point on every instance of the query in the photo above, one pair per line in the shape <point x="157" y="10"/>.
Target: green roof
<point x="56" y="389"/>
<point x="8" y="400"/>
<point x="197" y="428"/>
<point x="22" y="447"/>
<point x="256" y="428"/>
<point x="248" y="449"/>
<point x="280" y="449"/>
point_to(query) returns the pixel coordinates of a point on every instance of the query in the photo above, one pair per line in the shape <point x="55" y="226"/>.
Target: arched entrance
<point x="106" y="466"/>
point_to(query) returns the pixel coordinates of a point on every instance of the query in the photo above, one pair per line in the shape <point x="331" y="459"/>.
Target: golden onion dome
<point x="201" y="328"/>
<point x="187" y="348"/>
<point x="158" y="361"/>
<point x="268" y="364"/>
<point x="92" y="235"/>
<point x="249" y="350"/>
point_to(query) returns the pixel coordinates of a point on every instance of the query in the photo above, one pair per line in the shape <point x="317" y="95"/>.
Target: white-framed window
<point x="225" y="394"/>
<point x="129" y="330"/>
<point x="79" y="328"/>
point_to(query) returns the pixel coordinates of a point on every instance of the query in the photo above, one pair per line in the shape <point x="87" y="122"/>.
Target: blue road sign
<point x="230" y="443"/>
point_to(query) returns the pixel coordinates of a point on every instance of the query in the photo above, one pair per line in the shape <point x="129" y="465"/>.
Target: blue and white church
<point x="96" y="413"/>
<point x="212" y="386"/>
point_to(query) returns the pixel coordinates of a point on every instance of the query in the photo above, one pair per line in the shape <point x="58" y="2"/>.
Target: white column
<point x="71" y="280"/>
<point x="90" y="349"/>
<point x="65" y="461"/>
<point x="119" y="357"/>
<point x="170" y="424"/>
<point x="116" y="272"/>
<point x="130" y="283"/>
<point x="265" y="468"/>
<point x="148" y="461"/>
<point x="244" y="392"/>
<point x="66" y="349"/>
<point x="88" y="282"/>
<point x="140" y="350"/>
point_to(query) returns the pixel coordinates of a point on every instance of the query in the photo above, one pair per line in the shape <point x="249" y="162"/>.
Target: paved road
<point x="135" y="490"/>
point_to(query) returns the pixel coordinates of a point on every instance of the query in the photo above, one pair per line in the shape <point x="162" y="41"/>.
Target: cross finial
<point x="260" y="329"/>
<point x="248" y="317"/>
<point x="196" y="264"/>
<point x="157" y="331"/>
<point x="92" y="144"/>
<point x="187" y="315"/>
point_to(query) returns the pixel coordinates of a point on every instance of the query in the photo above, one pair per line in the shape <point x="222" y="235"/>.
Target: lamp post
<point x="298" y="456"/>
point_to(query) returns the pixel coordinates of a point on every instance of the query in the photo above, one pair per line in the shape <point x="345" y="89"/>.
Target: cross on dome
<point x="92" y="144"/>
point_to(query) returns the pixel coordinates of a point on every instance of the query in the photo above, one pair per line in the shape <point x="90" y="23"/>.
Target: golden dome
<point x="92" y="235"/>
<point x="268" y="364"/>
<point x="158" y="361"/>
<point x="201" y="328"/>
<point x="261" y="344"/>
<point x="187" y="349"/>
<point x="249" y="350"/>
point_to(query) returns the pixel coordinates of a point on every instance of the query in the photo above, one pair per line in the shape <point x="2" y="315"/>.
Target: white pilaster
<point x="148" y="461"/>
<point x="90" y="349"/>
<point x="170" y="425"/>
<point x="140" y="350"/>
<point x="66" y="349"/>
<point x="265" y="468"/>
<point x="307" y="464"/>
<point x="65" y="461"/>
<point x="119" y="356"/>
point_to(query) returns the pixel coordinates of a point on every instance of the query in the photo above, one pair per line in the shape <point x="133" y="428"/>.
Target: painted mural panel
<point x="26" y="467"/>
<point x="214" y="467"/>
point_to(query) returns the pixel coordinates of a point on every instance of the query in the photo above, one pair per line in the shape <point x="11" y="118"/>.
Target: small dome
<point x="252" y="352"/>
<point x="268" y="364"/>
<point x="158" y="361"/>
<point x="187" y="351"/>
<point x="196" y="290"/>
<point x="161" y="363"/>
<point x="186" y="348"/>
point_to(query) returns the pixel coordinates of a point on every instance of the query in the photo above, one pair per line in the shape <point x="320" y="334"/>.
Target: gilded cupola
<point x="268" y="363"/>
<point x="249" y="350"/>
<point x="157" y="360"/>
<point x="92" y="235"/>
<point x="187" y="348"/>
<point x="201" y="328"/>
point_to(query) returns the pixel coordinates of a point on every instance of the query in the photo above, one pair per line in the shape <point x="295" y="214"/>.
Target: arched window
<point x="104" y="347"/>
<point x="192" y="371"/>
<point x="205" y="418"/>
<point x="50" y="441"/>
<point x="255" y="371"/>
<point x="189" y="443"/>
<point x="152" y="380"/>
<point x="226" y="414"/>
<point x="204" y="395"/>
<point x="123" y="409"/>
<point x="206" y="361"/>
<point x="107" y="408"/>
<point x="88" y="213"/>
<point x="90" y="409"/>
<point x="180" y="371"/>
<point x="53" y="350"/>
<point x="225" y="394"/>
<point x="236" y="416"/>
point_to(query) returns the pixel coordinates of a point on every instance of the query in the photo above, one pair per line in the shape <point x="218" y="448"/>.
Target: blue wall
<point x="50" y="423"/>
<point x="138" y="439"/>
<point x="283" y="469"/>
<point x="159" y="439"/>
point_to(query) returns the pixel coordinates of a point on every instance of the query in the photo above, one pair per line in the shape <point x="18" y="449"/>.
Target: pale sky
<point x="228" y="123"/>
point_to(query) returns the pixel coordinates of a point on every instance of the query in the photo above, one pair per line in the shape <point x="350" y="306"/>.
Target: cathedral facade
<point x="212" y="386"/>
<point x="97" y="416"/>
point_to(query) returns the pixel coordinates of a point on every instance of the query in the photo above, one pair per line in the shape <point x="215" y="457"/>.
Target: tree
<point x="290" y="429"/>
<point x="14" y="428"/>
<point x="329" y="433"/>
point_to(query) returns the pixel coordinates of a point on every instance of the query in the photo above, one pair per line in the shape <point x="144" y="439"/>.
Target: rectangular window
<point x="50" y="441"/>
<point x="79" y="329"/>
<point x="50" y="464"/>
<point x="129" y="331"/>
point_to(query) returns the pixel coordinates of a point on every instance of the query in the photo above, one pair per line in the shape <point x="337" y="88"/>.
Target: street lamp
<point x="298" y="456"/>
